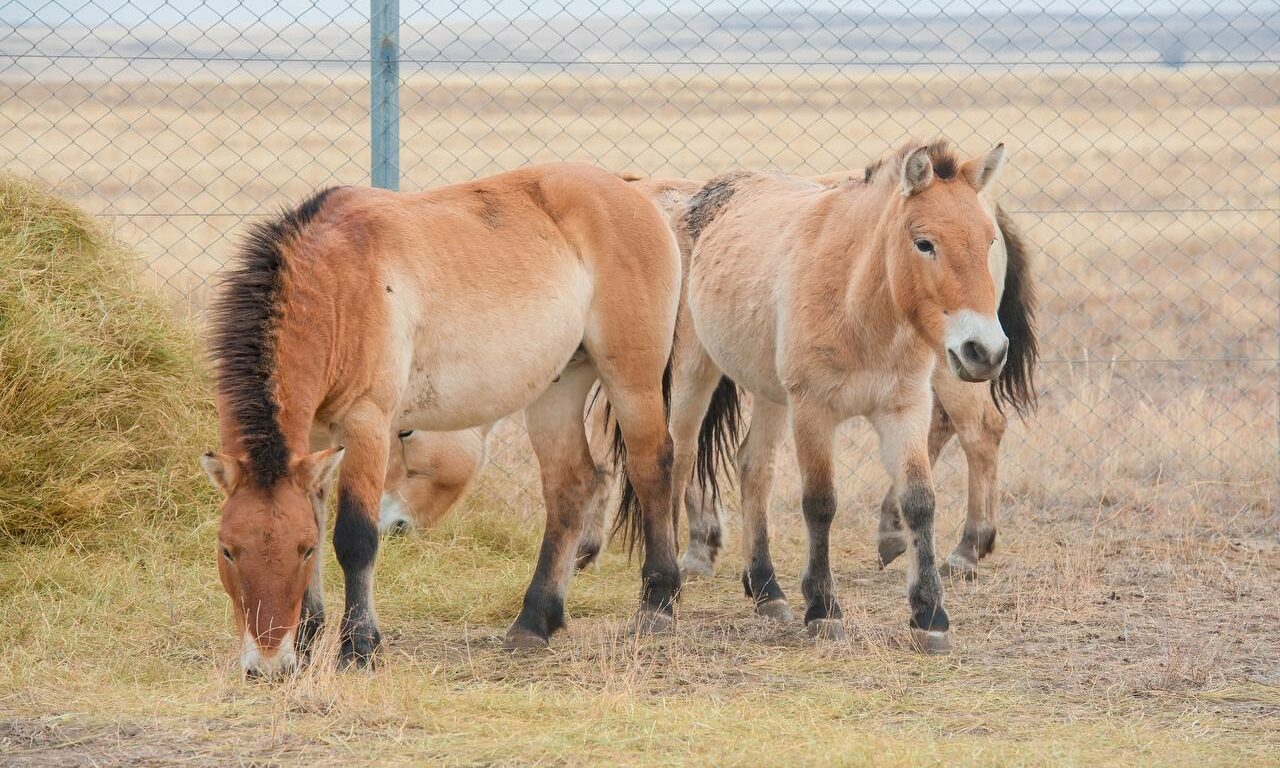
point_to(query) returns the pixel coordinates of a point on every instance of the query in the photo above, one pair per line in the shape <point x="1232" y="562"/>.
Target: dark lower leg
<point x="818" y="586"/>
<point x="924" y="590"/>
<point x="704" y="530"/>
<point x="542" y="613"/>
<point x="312" y="619"/>
<point x="660" y="575"/>
<point x="355" y="540"/>
<point x="595" y="520"/>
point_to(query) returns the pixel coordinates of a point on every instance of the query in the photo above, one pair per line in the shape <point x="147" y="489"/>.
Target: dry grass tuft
<point x="101" y="402"/>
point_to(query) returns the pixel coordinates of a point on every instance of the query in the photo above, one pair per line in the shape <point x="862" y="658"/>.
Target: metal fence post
<point x="384" y="93"/>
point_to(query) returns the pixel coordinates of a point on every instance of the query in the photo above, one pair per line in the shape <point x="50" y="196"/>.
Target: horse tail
<point x="718" y="436"/>
<point x="1016" y="384"/>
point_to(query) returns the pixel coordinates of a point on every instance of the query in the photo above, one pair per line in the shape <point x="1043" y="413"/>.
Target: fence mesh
<point x="1143" y="137"/>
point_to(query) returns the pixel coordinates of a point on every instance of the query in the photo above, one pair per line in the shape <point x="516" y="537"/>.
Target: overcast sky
<point x="132" y="12"/>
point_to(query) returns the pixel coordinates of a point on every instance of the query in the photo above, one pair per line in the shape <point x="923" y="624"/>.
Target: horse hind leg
<point x="757" y="459"/>
<point x="695" y="380"/>
<point x="892" y="539"/>
<point x="554" y="422"/>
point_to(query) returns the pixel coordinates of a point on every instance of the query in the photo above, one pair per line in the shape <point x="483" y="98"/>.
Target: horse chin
<point x="961" y="372"/>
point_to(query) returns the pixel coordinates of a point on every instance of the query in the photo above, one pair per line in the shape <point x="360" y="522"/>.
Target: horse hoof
<point x="890" y="547"/>
<point x="775" y="610"/>
<point x="825" y="629"/>
<point x="958" y="566"/>
<point x="587" y="554"/>
<point x="649" y="622"/>
<point x="696" y="568"/>
<point x="931" y="642"/>
<point x="523" y="640"/>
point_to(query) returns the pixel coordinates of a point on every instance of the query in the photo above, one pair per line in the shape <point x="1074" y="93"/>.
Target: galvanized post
<point x="384" y="93"/>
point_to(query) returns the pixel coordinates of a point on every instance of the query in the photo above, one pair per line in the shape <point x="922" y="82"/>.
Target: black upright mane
<point x="243" y="345"/>
<point x="941" y="155"/>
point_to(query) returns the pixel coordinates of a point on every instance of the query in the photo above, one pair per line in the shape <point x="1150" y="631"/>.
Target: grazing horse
<point x="832" y="302"/>
<point x="429" y="472"/>
<point x="363" y="312"/>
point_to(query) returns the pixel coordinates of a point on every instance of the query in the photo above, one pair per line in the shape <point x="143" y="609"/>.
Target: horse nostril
<point x="974" y="353"/>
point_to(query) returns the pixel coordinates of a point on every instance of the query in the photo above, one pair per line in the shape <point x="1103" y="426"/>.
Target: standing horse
<point x="363" y="312"/>
<point x="972" y="411"/>
<point x="833" y="302"/>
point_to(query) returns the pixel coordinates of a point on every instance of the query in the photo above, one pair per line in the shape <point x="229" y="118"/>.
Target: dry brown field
<point x="1128" y="615"/>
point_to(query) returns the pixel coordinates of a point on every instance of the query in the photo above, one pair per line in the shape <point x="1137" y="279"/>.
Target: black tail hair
<point x="718" y="437"/>
<point x="1016" y="385"/>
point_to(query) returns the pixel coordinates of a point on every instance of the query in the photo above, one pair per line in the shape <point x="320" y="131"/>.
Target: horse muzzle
<point x="976" y="346"/>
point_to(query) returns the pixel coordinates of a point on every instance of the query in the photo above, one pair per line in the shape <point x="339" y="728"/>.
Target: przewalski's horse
<point x="363" y="312"/>
<point x="975" y="412"/>
<point x="429" y="472"/>
<point x="833" y="302"/>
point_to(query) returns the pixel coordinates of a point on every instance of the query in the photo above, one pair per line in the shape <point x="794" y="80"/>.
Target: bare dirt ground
<point x="1127" y="617"/>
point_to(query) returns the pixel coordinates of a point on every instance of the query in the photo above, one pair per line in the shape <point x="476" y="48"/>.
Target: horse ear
<point x="224" y="471"/>
<point x="981" y="171"/>
<point x="315" y="470"/>
<point x="917" y="172"/>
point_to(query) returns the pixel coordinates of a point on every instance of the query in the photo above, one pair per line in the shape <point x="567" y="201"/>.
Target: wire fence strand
<point x="1143" y="137"/>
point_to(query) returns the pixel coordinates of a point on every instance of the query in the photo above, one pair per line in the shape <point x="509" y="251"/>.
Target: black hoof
<point x="358" y="650"/>
<point x="890" y="546"/>
<point x="308" y="630"/>
<point x="520" y="639"/>
<point x="587" y="554"/>
<point x="825" y="629"/>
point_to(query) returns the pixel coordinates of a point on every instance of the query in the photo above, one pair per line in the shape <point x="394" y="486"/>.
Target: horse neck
<point x="869" y="293"/>
<point x="300" y="380"/>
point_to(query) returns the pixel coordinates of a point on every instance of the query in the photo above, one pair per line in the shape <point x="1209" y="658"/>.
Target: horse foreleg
<point x="365" y="432"/>
<point x="904" y="439"/>
<point x="813" y="429"/>
<point x="980" y="427"/>
<point x="569" y="479"/>
<point x="892" y="540"/>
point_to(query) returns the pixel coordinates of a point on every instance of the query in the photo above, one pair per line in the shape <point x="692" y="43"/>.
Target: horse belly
<point x="474" y="364"/>
<point x="738" y="328"/>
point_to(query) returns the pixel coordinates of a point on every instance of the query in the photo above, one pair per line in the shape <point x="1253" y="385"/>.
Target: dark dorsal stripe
<point x="707" y="202"/>
<point x="244" y="318"/>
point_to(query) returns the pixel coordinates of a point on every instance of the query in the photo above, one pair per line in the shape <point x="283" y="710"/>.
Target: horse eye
<point x="307" y="555"/>
<point x="924" y="246"/>
<point x="227" y="554"/>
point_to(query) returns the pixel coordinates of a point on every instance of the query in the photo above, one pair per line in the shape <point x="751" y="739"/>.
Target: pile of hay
<point x="103" y="407"/>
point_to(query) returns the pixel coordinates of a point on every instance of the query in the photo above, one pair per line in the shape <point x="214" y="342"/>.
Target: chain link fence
<point x="1143" y="166"/>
